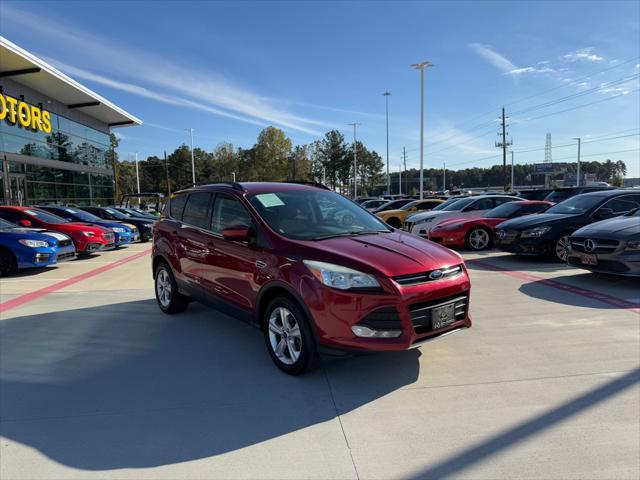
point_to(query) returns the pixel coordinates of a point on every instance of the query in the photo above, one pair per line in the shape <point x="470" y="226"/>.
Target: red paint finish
<point x="453" y="232"/>
<point x="29" y="297"/>
<point x="83" y="243"/>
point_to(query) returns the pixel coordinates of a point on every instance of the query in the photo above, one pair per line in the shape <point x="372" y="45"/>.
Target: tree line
<point x="328" y="160"/>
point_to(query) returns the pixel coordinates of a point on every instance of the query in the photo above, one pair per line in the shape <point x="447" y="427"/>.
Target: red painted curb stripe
<point x="28" y="297"/>
<point x="601" y="297"/>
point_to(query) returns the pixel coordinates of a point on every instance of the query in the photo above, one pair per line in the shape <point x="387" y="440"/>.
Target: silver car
<point x="609" y="246"/>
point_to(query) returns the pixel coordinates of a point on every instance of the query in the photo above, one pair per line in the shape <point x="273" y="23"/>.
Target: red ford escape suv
<point x="312" y="269"/>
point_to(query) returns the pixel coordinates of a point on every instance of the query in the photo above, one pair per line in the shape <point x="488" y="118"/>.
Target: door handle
<point x="260" y="264"/>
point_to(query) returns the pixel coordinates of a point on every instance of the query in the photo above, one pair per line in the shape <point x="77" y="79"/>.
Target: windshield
<point x="117" y="214"/>
<point x="4" y="224"/>
<point x="443" y="205"/>
<point x="576" y="205"/>
<point x="558" y="195"/>
<point x="457" y="205"/>
<point x="410" y="205"/>
<point x="314" y="215"/>
<point x="392" y="205"/>
<point x="46" y="216"/>
<point x="506" y="210"/>
<point x="81" y="215"/>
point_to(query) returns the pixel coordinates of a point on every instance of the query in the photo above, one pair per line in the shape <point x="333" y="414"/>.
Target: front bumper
<point x="447" y="238"/>
<point x="36" y="257"/>
<point x="66" y="253"/>
<point x="122" y="239"/>
<point x="335" y="312"/>
<point x="614" y="260"/>
<point x="525" y="246"/>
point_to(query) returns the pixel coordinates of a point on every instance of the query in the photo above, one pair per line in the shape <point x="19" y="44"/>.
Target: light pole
<point x="421" y="66"/>
<point x="355" y="162"/>
<point x="399" y="180"/>
<point x="578" y="170"/>
<point x="193" y="163"/>
<point x="444" y="176"/>
<point x="512" y="173"/>
<point x="137" y="174"/>
<point x="386" y="98"/>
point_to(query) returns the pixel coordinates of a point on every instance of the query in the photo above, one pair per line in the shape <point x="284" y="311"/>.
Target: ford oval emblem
<point x="436" y="274"/>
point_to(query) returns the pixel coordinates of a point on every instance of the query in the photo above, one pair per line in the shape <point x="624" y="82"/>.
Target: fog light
<point x="42" y="257"/>
<point x="362" y="331"/>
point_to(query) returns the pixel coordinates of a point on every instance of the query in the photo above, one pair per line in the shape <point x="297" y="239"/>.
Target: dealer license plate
<point x="443" y="316"/>
<point x="589" y="259"/>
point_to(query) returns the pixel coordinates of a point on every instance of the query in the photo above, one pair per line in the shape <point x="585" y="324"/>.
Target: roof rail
<point x="234" y="185"/>
<point x="304" y="182"/>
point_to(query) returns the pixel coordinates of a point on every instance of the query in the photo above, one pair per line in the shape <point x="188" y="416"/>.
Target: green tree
<point x="270" y="157"/>
<point x="331" y="157"/>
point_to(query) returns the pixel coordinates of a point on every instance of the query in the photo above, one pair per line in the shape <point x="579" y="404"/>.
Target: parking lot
<point x="96" y="382"/>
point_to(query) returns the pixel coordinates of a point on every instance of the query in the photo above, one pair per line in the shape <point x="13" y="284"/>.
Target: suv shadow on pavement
<point x="124" y="386"/>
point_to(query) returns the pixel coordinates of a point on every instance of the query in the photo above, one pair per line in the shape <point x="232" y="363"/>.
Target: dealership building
<point x="54" y="135"/>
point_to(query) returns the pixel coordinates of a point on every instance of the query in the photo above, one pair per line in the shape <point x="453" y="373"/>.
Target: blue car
<point x="123" y="233"/>
<point x="22" y="248"/>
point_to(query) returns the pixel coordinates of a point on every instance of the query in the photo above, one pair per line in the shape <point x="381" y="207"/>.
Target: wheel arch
<point x="277" y="289"/>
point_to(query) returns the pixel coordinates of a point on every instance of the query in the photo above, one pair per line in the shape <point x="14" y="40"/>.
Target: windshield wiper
<point x="349" y="234"/>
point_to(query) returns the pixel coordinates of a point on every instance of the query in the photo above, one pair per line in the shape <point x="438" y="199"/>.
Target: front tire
<point x="169" y="299"/>
<point x="288" y="336"/>
<point x="561" y="249"/>
<point x="8" y="263"/>
<point x="478" y="238"/>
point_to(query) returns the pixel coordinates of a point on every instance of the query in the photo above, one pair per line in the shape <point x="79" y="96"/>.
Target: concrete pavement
<point x="97" y="383"/>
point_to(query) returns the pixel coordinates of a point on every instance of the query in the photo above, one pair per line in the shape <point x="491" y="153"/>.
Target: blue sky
<point x="229" y="69"/>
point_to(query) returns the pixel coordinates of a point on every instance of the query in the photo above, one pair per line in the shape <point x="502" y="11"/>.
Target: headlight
<point x="88" y="234"/>
<point x="633" y="245"/>
<point x="535" y="232"/>
<point x="339" y="277"/>
<point x="33" y="243"/>
<point x="118" y="229"/>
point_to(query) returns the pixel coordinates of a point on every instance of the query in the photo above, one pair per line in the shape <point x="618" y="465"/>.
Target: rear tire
<point x="288" y="337"/>
<point x="478" y="238"/>
<point x="169" y="299"/>
<point x="8" y="263"/>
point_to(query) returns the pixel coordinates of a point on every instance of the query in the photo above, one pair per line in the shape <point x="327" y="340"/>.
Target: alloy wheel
<point x="163" y="288"/>
<point x="562" y="248"/>
<point x="479" y="239"/>
<point x="285" y="337"/>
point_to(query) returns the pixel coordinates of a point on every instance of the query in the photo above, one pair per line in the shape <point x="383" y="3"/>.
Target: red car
<point x="476" y="233"/>
<point x="87" y="238"/>
<point x="309" y="267"/>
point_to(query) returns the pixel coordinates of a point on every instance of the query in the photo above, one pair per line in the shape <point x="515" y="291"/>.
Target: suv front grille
<point x="430" y="276"/>
<point x="421" y="312"/>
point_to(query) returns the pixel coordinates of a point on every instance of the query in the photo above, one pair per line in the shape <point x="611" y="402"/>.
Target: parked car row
<point x="42" y="235"/>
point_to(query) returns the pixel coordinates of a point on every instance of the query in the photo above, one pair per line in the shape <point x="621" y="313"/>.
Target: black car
<point x="392" y="205"/>
<point x="134" y="212"/>
<point x="143" y="224"/>
<point x="548" y="233"/>
<point x="535" y="194"/>
<point x="558" y="195"/>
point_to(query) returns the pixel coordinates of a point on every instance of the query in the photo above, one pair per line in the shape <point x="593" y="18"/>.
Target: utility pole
<point x="399" y="180"/>
<point x="504" y="144"/>
<point x="421" y="66"/>
<point x="406" y="180"/>
<point x="355" y="161"/>
<point x="193" y="163"/>
<point x="444" y="176"/>
<point x="512" y="173"/>
<point x="166" y="168"/>
<point x="578" y="169"/>
<point x="386" y="98"/>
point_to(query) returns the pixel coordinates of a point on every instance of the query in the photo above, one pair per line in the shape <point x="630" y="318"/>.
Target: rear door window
<point x="196" y="211"/>
<point x="228" y="212"/>
<point x="176" y="206"/>
<point x="621" y="205"/>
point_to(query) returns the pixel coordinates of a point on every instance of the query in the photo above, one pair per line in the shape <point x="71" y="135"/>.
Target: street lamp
<point x="386" y="98"/>
<point x="193" y="163"/>
<point x="578" y="170"/>
<point x="421" y="66"/>
<point x="355" y="162"/>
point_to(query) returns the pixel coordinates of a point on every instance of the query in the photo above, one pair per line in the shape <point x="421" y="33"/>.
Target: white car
<point x="421" y="223"/>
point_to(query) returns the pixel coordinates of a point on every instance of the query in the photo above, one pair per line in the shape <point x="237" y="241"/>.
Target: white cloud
<point x="496" y="59"/>
<point x="584" y="54"/>
<point x="188" y="86"/>
<point x="519" y="71"/>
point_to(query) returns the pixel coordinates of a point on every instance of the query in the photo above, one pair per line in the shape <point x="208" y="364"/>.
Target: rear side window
<point x="196" y="210"/>
<point x="621" y="204"/>
<point x="534" y="208"/>
<point x="176" y="206"/>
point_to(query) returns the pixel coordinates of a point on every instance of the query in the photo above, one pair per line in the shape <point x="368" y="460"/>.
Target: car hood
<point x="387" y="213"/>
<point x="530" y="221"/>
<point x="22" y="233"/>
<point x="419" y="217"/>
<point x="614" y="228"/>
<point x="394" y="253"/>
<point x="41" y="231"/>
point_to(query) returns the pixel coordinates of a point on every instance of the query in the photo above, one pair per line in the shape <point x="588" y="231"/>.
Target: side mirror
<point x="237" y="233"/>
<point x="604" y="213"/>
<point x="24" y="223"/>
